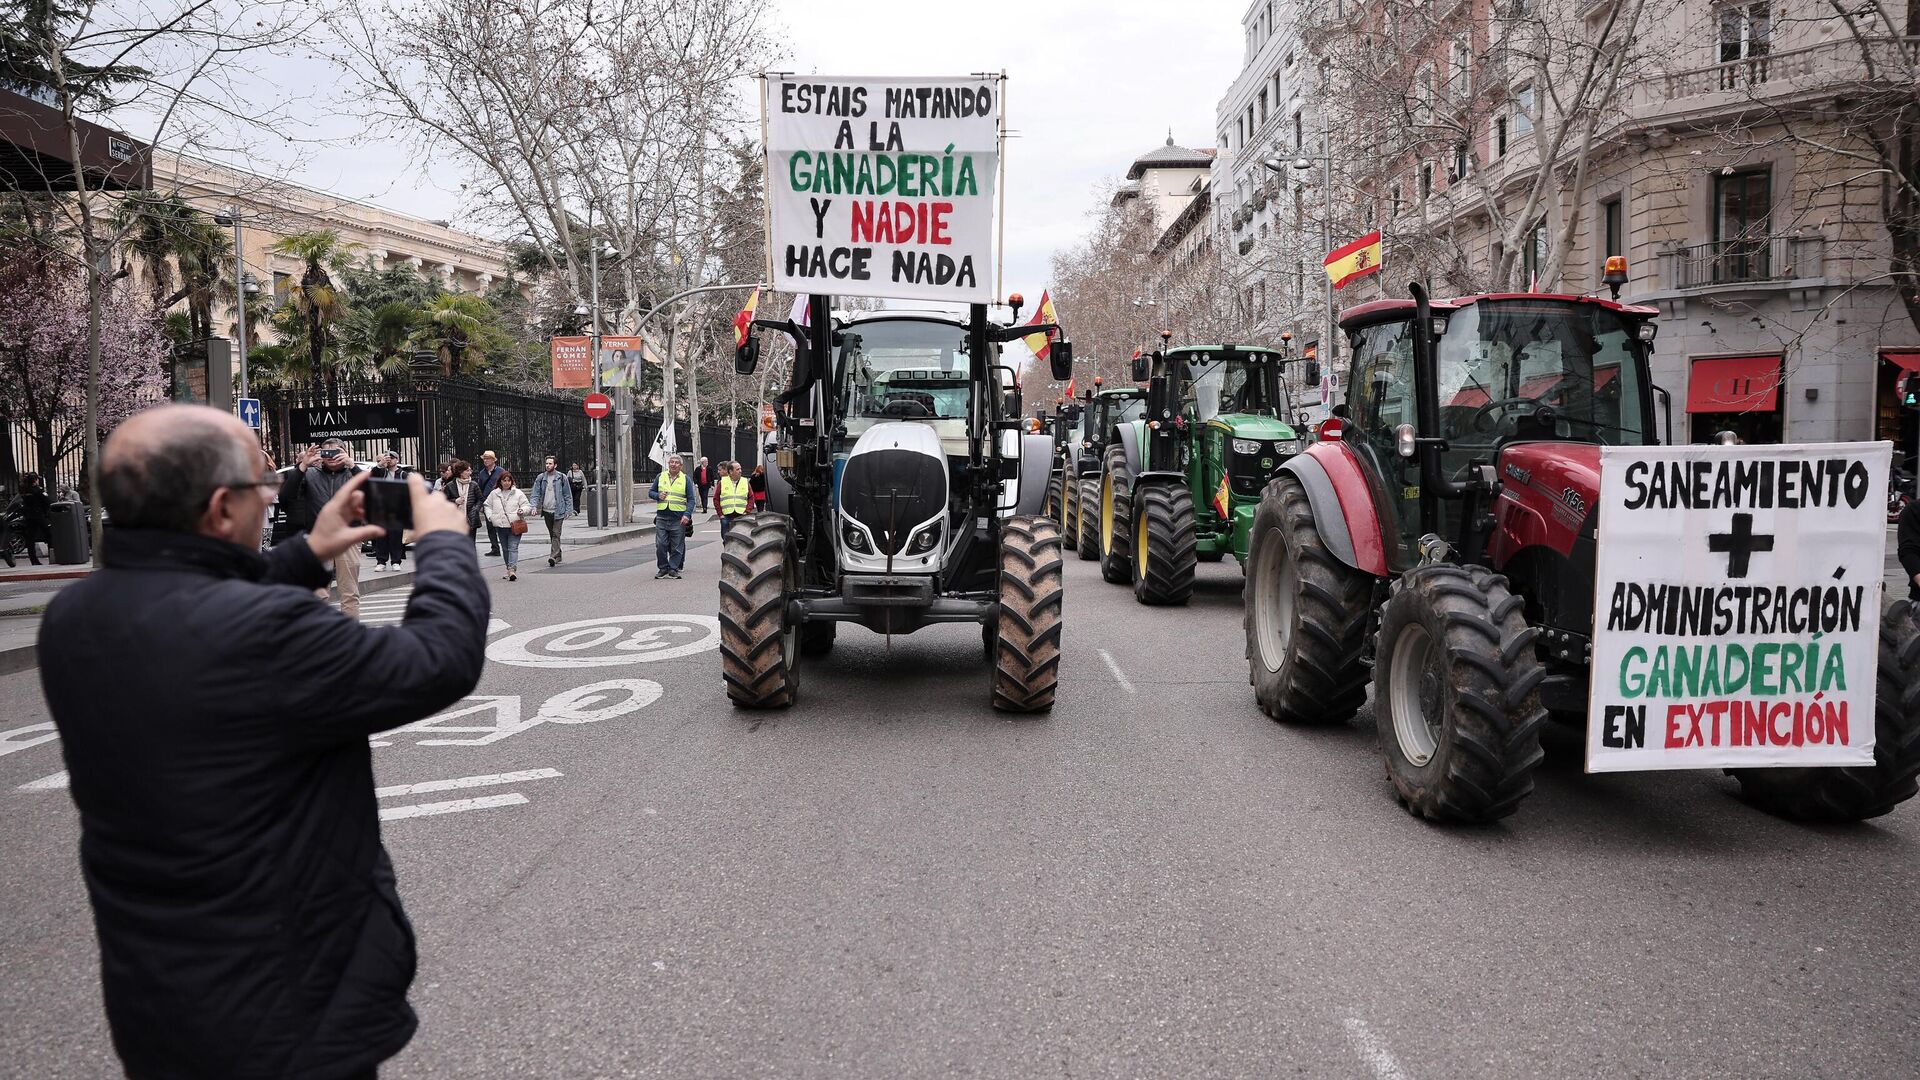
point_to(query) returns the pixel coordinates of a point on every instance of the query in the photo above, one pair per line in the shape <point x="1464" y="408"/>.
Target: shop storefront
<point x="1741" y="394"/>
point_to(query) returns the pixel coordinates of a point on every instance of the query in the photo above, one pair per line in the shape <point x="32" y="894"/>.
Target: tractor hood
<point x="1559" y="480"/>
<point x="895" y="481"/>
<point x="1253" y="426"/>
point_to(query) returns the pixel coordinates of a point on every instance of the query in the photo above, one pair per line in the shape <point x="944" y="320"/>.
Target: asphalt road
<point x="891" y="880"/>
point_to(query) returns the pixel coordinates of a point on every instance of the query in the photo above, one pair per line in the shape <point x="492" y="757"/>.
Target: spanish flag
<point x="1358" y="259"/>
<point x="1041" y="344"/>
<point x="744" y="320"/>
<point x="1223" y="500"/>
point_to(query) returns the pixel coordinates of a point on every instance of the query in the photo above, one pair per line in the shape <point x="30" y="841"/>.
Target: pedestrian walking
<point x="319" y="473"/>
<point x="758" y="482"/>
<point x="464" y="493"/>
<point x="670" y="519"/>
<point x="446" y="474"/>
<point x="487" y="476"/>
<point x="507" y="510"/>
<point x="247" y="916"/>
<point x="553" y="497"/>
<point x="390" y="549"/>
<point x="735" y="498"/>
<point x="35" y="508"/>
<point x="577" y="480"/>
<point x="703" y="478"/>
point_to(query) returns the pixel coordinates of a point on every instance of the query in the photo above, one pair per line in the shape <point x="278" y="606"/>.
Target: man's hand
<point x="433" y="512"/>
<point x="333" y="533"/>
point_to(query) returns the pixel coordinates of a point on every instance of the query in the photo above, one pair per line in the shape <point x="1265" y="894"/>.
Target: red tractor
<point x="1439" y="542"/>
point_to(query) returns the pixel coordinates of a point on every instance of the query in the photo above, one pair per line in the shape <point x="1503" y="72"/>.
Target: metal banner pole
<point x="593" y="348"/>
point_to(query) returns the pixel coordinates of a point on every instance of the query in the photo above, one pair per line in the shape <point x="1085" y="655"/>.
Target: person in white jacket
<point x="505" y="506"/>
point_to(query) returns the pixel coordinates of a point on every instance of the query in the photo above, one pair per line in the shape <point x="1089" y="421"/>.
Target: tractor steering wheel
<point x="906" y="409"/>
<point x="1482" y="419"/>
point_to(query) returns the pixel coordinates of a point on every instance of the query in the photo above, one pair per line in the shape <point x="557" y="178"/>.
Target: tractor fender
<point x="1343" y="509"/>
<point x="1129" y="438"/>
<point x="779" y="492"/>
<point x="1036" y="465"/>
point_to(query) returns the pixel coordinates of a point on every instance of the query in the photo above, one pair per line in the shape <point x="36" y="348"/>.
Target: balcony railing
<point x="1876" y="60"/>
<point x="1735" y="262"/>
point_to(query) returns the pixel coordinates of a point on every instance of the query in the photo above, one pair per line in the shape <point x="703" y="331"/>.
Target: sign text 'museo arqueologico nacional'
<point x="1737" y="605"/>
<point x="883" y="186"/>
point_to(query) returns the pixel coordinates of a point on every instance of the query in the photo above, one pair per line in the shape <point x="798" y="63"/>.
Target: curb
<point x="44" y="575"/>
<point x="26" y="657"/>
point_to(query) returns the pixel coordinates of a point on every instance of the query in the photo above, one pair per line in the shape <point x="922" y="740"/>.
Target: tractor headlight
<point x="924" y="540"/>
<point x="855" y="539"/>
<point x="1288" y="446"/>
<point x="1246" y="446"/>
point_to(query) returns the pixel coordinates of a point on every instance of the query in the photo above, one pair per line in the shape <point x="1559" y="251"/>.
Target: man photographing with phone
<point x="319" y="473"/>
<point x="247" y="914"/>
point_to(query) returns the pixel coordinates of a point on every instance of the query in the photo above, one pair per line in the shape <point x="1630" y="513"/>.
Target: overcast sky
<point x="1091" y="86"/>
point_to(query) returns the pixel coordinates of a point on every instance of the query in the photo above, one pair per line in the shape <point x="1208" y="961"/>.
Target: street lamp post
<point x="1331" y="352"/>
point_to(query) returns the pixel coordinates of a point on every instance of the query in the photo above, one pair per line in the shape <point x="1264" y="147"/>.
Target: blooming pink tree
<point x="43" y="352"/>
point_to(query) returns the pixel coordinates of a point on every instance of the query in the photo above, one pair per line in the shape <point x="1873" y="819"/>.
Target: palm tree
<point x="180" y="246"/>
<point x="461" y="328"/>
<point x="316" y="302"/>
<point x="372" y="338"/>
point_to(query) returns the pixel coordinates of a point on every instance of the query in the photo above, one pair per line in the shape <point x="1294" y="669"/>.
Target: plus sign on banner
<point x="1736" y="605"/>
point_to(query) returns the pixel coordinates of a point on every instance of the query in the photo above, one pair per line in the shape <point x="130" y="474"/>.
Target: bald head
<point x="160" y="468"/>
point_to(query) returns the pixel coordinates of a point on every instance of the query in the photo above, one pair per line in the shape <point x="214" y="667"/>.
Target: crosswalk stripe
<point x="455" y="806"/>
<point x="485" y="780"/>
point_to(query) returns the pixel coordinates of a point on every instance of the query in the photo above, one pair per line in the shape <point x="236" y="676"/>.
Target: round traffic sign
<point x="598" y="405"/>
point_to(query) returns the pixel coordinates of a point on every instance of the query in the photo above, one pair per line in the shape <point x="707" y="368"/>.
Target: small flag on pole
<point x="802" y="313"/>
<point x="744" y="321"/>
<point x="1041" y="344"/>
<point x="1069" y="388"/>
<point x="662" y="446"/>
<point x="1358" y="259"/>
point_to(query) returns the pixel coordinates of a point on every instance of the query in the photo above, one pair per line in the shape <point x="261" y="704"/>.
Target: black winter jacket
<point x="1907" y="537"/>
<point x="214" y="716"/>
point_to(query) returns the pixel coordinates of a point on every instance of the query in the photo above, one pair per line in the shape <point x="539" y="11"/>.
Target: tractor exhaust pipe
<point x="1434" y="484"/>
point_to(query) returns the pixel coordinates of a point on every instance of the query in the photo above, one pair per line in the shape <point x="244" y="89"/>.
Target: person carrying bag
<point x="507" y="510"/>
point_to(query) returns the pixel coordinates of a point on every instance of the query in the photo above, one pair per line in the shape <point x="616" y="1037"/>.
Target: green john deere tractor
<point x="1179" y="485"/>
<point x="1103" y="413"/>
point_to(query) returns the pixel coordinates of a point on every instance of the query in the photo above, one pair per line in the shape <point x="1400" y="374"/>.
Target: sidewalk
<point x="20" y="607"/>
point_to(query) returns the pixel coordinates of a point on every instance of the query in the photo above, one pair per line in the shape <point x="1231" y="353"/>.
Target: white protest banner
<point x="883" y="186"/>
<point x="1737" y="606"/>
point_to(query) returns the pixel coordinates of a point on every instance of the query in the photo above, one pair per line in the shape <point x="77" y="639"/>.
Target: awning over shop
<point x="1906" y="360"/>
<point x="1729" y="384"/>
<point x="37" y="156"/>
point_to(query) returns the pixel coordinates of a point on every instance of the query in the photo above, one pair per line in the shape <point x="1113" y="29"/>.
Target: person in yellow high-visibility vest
<point x="671" y="518"/>
<point x="736" y="497"/>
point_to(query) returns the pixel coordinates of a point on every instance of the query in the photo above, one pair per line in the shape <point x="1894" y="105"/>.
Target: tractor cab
<point x="1524" y="390"/>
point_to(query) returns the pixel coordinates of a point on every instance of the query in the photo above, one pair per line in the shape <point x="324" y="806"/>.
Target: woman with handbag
<point x="507" y="509"/>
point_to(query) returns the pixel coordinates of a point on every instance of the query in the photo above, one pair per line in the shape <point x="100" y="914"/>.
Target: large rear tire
<point x="1026" y="658"/>
<point x="1458" y="706"/>
<point x="1166" y="539"/>
<point x="1086" y="523"/>
<point x="1306" y="615"/>
<point x="1069" y="492"/>
<point x="1864" y="791"/>
<point x="1116" y="517"/>
<point x="759" y="649"/>
<point x="1053" y="506"/>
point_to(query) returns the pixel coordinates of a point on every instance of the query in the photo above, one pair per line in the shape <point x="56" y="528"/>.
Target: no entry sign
<point x="598" y="405"/>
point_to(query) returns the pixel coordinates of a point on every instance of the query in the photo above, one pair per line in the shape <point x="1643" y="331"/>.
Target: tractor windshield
<point x="1230" y="382"/>
<point x="904" y="369"/>
<point x="1540" y="369"/>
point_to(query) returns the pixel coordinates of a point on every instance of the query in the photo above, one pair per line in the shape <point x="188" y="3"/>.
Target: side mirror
<point x="1313" y="373"/>
<point x="1142" y="367"/>
<point x="1061" y="357"/>
<point x="747" y="357"/>
<point x="1340" y="411"/>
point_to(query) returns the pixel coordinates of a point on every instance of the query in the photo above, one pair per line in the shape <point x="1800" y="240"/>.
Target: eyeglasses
<point x="269" y="485"/>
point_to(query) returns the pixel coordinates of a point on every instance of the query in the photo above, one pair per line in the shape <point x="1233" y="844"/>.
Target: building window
<point x="1613" y="229"/>
<point x="1299" y="208"/>
<point x="282" y="287"/>
<point x="1742" y="220"/>
<point x="1523" y="111"/>
<point x="1299" y="132"/>
<point x="1746" y="31"/>
<point x="1426" y="180"/>
<point x="1393" y="200"/>
<point x="1500" y="137"/>
<point x="1263" y="104"/>
<point x="1459" y="68"/>
<point x="1299" y="282"/>
<point x="1534" y="255"/>
<point x="1459" y="168"/>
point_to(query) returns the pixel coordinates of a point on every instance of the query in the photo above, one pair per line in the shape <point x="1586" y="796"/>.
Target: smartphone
<point x="389" y="504"/>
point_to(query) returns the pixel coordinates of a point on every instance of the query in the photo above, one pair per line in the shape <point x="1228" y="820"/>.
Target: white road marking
<point x="456" y="806"/>
<point x="1373" y="1051"/>
<point x="608" y="641"/>
<point x="34" y="734"/>
<point x="486" y="780"/>
<point x="54" y="782"/>
<point x="1119" y="676"/>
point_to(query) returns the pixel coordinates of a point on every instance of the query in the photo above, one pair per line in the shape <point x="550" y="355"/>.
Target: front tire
<point x="1116" y="517"/>
<point x="1166" y="541"/>
<point x="1026" y="643"/>
<point x="1086" y="523"/>
<point x="1458" y="707"/>
<point x="1306" y="615"/>
<point x="759" y="649"/>
<point x="1856" y="793"/>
